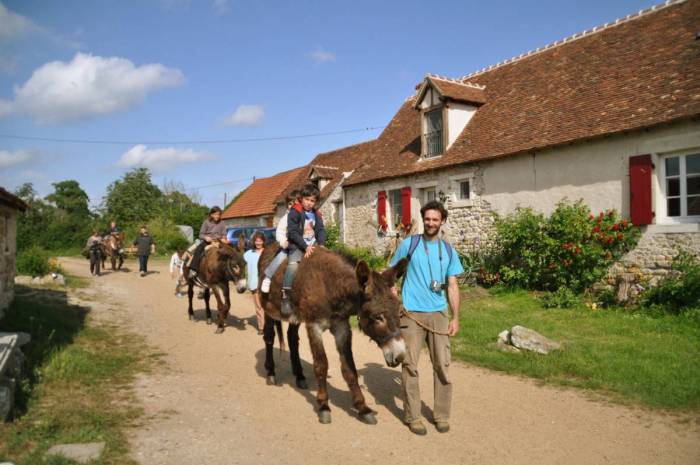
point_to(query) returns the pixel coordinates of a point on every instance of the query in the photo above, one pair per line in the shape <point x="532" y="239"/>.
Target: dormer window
<point x="433" y="133"/>
<point x="446" y="107"/>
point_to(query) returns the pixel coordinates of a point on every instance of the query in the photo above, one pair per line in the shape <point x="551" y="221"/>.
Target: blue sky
<point x="176" y="70"/>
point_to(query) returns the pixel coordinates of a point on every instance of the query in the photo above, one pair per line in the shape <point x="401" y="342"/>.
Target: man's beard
<point x="434" y="233"/>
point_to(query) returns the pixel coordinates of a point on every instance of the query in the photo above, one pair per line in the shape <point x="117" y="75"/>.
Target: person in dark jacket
<point x="145" y="245"/>
<point x="305" y="231"/>
<point x="212" y="230"/>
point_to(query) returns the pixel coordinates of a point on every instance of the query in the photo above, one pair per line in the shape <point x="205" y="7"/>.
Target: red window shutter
<point x="381" y="209"/>
<point x="406" y="206"/>
<point x="640" y="189"/>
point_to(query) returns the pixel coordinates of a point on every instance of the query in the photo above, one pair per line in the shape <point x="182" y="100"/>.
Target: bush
<point x="561" y="298"/>
<point x="571" y="249"/>
<point x="679" y="292"/>
<point x="33" y="261"/>
<point x="332" y="236"/>
<point x="166" y="235"/>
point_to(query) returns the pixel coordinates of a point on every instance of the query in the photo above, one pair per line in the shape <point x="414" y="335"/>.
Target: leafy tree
<point x="70" y="197"/>
<point x="133" y="198"/>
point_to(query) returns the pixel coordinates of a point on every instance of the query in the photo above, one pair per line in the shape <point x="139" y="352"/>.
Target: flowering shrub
<point x="572" y="248"/>
<point x="679" y="292"/>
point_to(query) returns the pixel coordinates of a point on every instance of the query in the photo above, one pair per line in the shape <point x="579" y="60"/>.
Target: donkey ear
<point x="394" y="273"/>
<point x="241" y="242"/>
<point x="362" y="272"/>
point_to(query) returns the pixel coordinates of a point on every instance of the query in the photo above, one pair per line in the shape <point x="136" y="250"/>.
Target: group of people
<point x="429" y="287"/>
<point x="145" y="246"/>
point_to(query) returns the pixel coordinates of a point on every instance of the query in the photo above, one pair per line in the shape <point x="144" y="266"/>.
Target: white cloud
<point x="5" y="108"/>
<point x="221" y="7"/>
<point x="13" y="25"/>
<point x="18" y="157"/>
<point x="89" y="86"/>
<point x="159" y="160"/>
<point x="322" y="56"/>
<point x="245" y="115"/>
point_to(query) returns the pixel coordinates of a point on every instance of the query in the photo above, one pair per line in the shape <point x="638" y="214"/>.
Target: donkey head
<point x="379" y="314"/>
<point x="235" y="265"/>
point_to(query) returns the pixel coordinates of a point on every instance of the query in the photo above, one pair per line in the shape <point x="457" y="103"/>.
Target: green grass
<point x="78" y="389"/>
<point x="652" y="361"/>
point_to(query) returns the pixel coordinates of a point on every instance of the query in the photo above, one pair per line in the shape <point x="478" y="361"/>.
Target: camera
<point x="436" y="286"/>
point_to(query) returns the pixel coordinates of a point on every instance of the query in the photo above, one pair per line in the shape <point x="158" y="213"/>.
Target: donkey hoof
<point x="369" y="418"/>
<point x="324" y="417"/>
<point x="208" y="321"/>
<point x="219" y="330"/>
<point x="271" y="380"/>
<point x="190" y="317"/>
<point x="301" y="383"/>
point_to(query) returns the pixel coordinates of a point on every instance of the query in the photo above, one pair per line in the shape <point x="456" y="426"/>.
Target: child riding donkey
<point x="305" y="231"/>
<point x="211" y="232"/>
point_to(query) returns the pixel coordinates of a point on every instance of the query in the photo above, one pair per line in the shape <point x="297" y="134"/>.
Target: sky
<point x="163" y="77"/>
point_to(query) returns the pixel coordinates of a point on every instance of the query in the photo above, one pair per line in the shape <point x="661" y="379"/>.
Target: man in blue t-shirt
<point x="429" y="286"/>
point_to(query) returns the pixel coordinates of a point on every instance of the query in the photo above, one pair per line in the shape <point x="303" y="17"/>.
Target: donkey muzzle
<point x="394" y="351"/>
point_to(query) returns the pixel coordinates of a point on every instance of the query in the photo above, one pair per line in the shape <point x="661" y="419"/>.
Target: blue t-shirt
<point x="309" y="224"/>
<point x="251" y="258"/>
<point x="416" y="293"/>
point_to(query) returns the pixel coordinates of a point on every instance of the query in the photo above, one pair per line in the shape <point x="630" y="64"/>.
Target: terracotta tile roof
<point x="325" y="172"/>
<point x="331" y="165"/>
<point x="260" y="197"/>
<point x="461" y="91"/>
<point x="11" y="200"/>
<point x="639" y="72"/>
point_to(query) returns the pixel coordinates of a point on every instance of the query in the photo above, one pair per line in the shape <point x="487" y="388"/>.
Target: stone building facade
<point x="529" y="132"/>
<point x="10" y="207"/>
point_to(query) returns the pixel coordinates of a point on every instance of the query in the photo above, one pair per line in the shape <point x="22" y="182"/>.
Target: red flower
<point x="610" y="240"/>
<point x="578" y="249"/>
<point x="590" y="216"/>
<point x="624" y="224"/>
<point x="601" y="215"/>
<point x="620" y="236"/>
<point x="596" y="229"/>
<point x="616" y="227"/>
<point x="600" y="218"/>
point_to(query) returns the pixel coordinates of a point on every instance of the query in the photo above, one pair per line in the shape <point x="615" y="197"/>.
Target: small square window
<point x="464" y="192"/>
<point x="429" y="194"/>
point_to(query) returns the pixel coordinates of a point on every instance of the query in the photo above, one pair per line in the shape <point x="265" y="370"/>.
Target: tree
<point x="70" y="197"/>
<point x="133" y="198"/>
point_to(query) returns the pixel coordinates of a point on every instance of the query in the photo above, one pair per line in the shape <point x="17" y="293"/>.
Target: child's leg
<point x="291" y="271"/>
<point x="275" y="264"/>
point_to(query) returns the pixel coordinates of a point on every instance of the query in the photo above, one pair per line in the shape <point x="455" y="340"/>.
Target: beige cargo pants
<point x="439" y="350"/>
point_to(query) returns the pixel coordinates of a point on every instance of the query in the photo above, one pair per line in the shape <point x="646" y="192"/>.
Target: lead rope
<point x="435" y="331"/>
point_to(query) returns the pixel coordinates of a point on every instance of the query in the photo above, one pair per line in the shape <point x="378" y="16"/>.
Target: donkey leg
<point x="220" y="310"/>
<point x="343" y="341"/>
<point x="269" y="338"/>
<point x="207" y="296"/>
<point x="190" y="295"/>
<point x="293" y="341"/>
<point x="315" y="333"/>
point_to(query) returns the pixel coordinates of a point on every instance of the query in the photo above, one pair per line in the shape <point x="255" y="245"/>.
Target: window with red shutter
<point x="381" y="210"/>
<point x="640" y="189"/>
<point x="406" y="206"/>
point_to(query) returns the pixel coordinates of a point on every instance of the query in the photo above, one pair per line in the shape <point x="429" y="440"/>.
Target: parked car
<point x="234" y="232"/>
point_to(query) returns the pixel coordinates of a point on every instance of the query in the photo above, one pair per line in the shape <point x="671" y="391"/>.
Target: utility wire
<point x="188" y="142"/>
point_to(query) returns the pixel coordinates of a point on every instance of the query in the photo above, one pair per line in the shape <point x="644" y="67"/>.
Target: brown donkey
<point x="328" y="289"/>
<point x="218" y="267"/>
<point x="112" y="248"/>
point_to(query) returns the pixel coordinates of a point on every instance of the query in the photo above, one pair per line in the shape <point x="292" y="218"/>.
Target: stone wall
<point x="469" y="224"/>
<point x="651" y="260"/>
<point x="8" y="252"/>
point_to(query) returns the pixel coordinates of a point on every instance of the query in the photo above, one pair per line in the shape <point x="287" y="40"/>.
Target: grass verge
<point x="637" y="358"/>
<point x="78" y="385"/>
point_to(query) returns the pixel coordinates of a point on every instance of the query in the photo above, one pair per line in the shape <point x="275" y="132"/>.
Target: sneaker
<point x="265" y="286"/>
<point x="143" y="273"/>
<point x="417" y="427"/>
<point x="442" y="426"/>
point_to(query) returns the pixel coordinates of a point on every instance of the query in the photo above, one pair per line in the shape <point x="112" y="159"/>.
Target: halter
<point x="393" y="334"/>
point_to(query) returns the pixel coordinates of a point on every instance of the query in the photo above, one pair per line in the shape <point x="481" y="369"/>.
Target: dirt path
<point x="210" y="405"/>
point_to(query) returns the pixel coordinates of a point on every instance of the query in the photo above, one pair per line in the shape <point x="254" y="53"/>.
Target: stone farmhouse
<point x="610" y="116"/>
